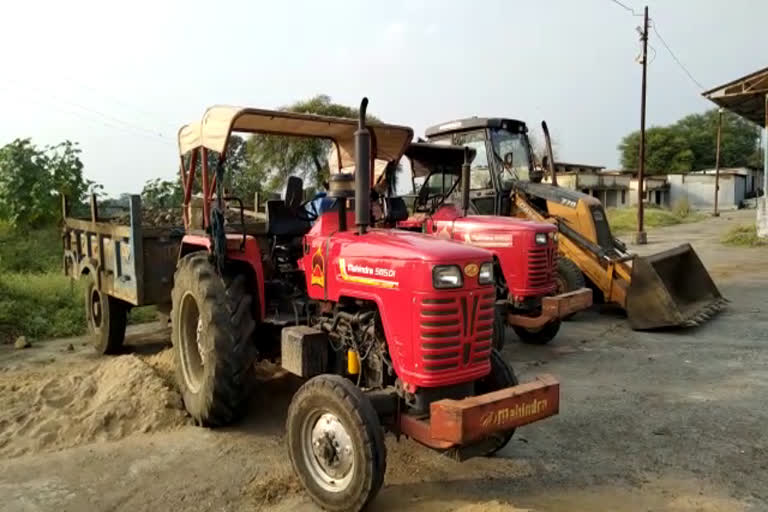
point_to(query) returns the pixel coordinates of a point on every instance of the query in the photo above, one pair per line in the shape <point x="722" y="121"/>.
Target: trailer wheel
<point x="211" y="329"/>
<point x="499" y="326"/>
<point x="336" y="443"/>
<point x="569" y="278"/>
<point x="501" y="376"/>
<point x="106" y="317"/>
<point x="539" y="336"/>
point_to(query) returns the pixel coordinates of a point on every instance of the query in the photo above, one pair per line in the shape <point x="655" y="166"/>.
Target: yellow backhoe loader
<point x="668" y="289"/>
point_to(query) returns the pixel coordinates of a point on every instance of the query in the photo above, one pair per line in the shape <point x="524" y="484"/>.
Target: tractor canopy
<point x="388" y="141"/>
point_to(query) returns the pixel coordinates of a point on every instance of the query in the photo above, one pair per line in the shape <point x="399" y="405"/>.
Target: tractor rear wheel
<point x="501" y="376"/>
<point x="539" y="336"/>
<point x="106" y="317"/>
<point x="336" y="443"/>
<point x="212" y="324"/>
<point x="569" y="278"/>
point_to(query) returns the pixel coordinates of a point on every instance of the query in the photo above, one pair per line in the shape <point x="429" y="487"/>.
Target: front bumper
<point x="553" y="308"/>
<point x="453" y="423"/>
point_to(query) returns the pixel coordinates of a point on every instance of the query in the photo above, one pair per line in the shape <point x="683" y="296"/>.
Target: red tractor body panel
<point x="436" y="337"/>
<point x="529" y="268"/>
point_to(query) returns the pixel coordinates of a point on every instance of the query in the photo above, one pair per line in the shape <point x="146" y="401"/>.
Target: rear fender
<point x="250" y="254"/>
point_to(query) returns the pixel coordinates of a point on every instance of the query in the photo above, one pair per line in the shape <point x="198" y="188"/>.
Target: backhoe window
<point x="480" y="175"/>
<point x="514" y="144"/>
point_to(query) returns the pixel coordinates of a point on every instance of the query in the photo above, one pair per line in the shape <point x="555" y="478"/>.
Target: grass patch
<point x="624" y="220"/>
<point x="36" y="299"/>
<point x="38" y="250"/>
<point x="743" y="236"/>
<point x="45" y="305"/>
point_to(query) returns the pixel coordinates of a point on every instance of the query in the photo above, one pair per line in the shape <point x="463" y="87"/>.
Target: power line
<point x="108" y="117"/>
<point x="671" y="53"/>
<point x="95" y="122"/>
<point x="627" y="8"/>
<point x="685" y="70"/>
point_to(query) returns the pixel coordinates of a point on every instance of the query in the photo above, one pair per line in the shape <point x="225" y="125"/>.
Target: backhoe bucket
<point x="671" y="289"/>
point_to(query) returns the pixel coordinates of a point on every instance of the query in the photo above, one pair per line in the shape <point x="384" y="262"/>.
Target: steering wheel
<point x="303" y="213"/>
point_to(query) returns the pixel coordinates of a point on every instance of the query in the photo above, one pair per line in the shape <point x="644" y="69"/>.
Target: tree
<point x="160" y="193"/>
<point x="271" y="158"/>
<point x="690" y="144"/>
<point x="665" y="151"/>
<point x="32" y="181"/>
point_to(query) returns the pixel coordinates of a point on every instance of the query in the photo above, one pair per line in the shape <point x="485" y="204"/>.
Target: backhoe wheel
<point x="501" y="376"/>
<point x="569" y="278"/>
<point x="212" y="325"/>
<point x="106" y="318"/>
<point x="499" y="326"/>
<point x="539" y="336"/>
<point x="336" y="443"/>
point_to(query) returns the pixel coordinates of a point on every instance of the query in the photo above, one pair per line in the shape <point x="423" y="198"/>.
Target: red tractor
<point x="391" y="329"/>
<point x="529" y="297"/>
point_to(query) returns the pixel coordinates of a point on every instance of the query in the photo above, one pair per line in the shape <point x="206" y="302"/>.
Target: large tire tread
<point x="226" y="304"/>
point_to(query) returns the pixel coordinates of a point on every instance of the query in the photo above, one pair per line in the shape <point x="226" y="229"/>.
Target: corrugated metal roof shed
<point x="745" y="96"/>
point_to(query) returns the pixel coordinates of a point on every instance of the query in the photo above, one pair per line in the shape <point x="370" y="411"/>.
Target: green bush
<point x="43" y="305"/>
<point x="743" y="236"/>
<point x="34" y="250"/>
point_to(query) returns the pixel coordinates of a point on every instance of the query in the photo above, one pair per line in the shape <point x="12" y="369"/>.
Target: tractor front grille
<point x="455" y="332"/>
<point x="542" y="264"/>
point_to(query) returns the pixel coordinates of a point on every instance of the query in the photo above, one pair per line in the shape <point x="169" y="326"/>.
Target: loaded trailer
<point x="121" y="266"/>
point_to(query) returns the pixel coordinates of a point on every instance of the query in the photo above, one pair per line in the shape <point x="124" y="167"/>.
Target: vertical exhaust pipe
<point x="363" y="172"/>
<point x="550" y="156"/>
<point x="465" y="169"/>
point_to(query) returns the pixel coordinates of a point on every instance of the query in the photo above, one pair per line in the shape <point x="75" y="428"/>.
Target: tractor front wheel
<point x="106" y="317"/>
<point x="502" y="376"/>
<point x="212" y="324"/>
<point x="539" y="336"/>
<point x="336" y="443"/>
<point x="569" y="278"/>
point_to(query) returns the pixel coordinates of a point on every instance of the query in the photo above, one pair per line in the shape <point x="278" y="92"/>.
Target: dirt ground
<point x="671" y="421"/>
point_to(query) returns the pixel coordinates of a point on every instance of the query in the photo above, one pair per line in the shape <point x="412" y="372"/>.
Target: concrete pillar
<point x="762" y="202"/>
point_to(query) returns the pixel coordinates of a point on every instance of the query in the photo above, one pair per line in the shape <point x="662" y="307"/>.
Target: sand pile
<point x="53" y="409"/>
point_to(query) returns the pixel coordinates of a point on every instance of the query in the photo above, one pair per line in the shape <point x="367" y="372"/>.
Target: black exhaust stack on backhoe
<point x="363" y="172"/>
<point x="465" y="169"/>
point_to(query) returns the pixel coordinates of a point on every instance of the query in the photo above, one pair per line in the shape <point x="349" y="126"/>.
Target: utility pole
<point x="717" y="159"/>
<point x="641" y="237"/>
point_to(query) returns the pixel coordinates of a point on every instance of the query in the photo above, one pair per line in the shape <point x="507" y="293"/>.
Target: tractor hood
<point x="494" y="224"/>
<point x="403" y="245"/>
<point x="489" y="223"/>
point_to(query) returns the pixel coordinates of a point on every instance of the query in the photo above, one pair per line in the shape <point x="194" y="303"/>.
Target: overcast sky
<point x="121" y="77"/>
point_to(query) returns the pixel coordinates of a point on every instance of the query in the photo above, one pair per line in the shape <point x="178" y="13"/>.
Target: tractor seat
<point x="282" y="221"/>
<point x="394" y="210"/>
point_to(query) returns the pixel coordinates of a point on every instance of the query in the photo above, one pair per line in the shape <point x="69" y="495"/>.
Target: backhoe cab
<point x="525" y="252"/>
<point x="669" y="289"/>
<point x="392" y="329"/>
